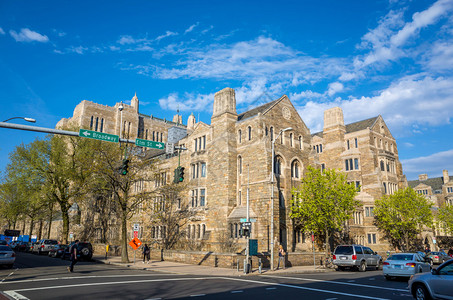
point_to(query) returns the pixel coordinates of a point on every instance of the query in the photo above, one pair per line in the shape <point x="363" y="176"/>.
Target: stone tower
<point x="134" y="102"/>
<point x="222" y="156"/>
<point x="191" y="122"/>
<point x="333" y="135"/>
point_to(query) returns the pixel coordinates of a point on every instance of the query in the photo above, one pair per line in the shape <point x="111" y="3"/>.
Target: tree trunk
<point x="40" y="229"/>
<point x="50" y="221"/>
<point x="124" y="256"/>
<point x="327" y="243"/>
<point x="31" y="227"/>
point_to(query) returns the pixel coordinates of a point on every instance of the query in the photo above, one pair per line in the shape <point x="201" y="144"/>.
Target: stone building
<point x="367" y="152"/>
<point x="439" y="191"/>
<point x="229" y="162"/>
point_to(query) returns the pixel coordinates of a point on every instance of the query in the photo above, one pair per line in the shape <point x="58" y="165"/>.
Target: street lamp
<point x="272" y="197"/>
<point x="26" y="119"/>
<point x="120" y="108"/>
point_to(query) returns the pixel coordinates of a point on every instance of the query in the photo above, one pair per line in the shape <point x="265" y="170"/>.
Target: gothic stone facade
<point x="230" y="161"/>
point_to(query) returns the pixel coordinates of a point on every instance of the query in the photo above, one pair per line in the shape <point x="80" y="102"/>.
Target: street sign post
<point x="135" y="243"/>
<point x="99" y="135"/>
<point x="149" y="144"/>
<point x="244" y="220"/>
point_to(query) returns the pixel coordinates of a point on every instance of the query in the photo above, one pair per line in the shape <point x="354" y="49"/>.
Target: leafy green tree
<point x="445" y="218"/>
<point x="323" y="203"/>
<point x="402" y="216"/>
<point x="11" y="204"/>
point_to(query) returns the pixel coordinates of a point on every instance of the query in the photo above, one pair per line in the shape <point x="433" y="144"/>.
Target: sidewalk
<point x="188" y="269"/>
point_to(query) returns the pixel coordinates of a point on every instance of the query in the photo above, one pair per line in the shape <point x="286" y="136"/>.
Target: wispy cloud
<point x="438" y="161"/>
<point x="167" y="34"/>
<point x="27" y="35"/>
<point x="191" y="28"/>
<point x="2" y="32"/>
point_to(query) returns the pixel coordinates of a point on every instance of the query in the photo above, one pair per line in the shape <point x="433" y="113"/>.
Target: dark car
<point x="22" y="246"/>
<point x="84" y="251"/>
<point x="57" y="250"/>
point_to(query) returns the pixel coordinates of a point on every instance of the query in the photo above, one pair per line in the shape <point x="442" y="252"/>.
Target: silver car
<point x="7" y="256"/>
<point x="435" y="285"/>
<point x="355" y="256"/>
<point x="404" y="265"/>
<point x="44" y="246"/>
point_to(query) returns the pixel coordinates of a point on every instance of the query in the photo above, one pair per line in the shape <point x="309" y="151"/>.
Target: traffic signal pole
<point x="49" y="130"/>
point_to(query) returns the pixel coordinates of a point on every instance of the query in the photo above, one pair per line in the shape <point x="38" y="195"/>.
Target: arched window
<point x="97" y="121"/>
<point x="382" y="166"/>
<point x="249" y="130"/>
<point x="301" y="146"/>
<point x="102" y="125"/>
<point x="91" y="123"/>
<point x="267" y="131"/>
<point x="198" y="231"/>
<point x="239" y="136"/>
<point x="272" y="134"/>
<point x="278" y="165"/>
<point x="295" y="169"/>
<point x="203" y="230"/>
<point x="291" y="139"/>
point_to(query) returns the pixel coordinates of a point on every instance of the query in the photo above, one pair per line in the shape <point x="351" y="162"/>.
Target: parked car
<point x="57" y="250"/>
<point x="44" y="246"/>
<point x="7" y="256"/>
<point x="438" y="257"/>
<point x="404" y="265"/>
<point x="84" y="251"/>
<point x="3" y="243"/>
<point x="355" y="256"/>
<point x="425" y="257"/>
<point x="435" y="285"/>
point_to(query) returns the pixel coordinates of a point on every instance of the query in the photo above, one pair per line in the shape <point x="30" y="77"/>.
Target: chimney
<point x="446" y="177"/>
<point x="422" y="177"/>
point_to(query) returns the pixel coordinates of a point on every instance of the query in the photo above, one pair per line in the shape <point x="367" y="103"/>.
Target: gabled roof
<point x="257" y="110"/>
<point x="353" y="127"/>
<point x="434" y="183"/>
<point x="360" y="125"/>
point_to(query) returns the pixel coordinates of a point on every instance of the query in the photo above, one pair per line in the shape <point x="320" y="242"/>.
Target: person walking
<point x="73" y="255"/>
<point x="281" y="257"/>
<point x="146" y="253"/>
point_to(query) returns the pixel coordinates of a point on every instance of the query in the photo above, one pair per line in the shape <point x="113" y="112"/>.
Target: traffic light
<point x="124" y="167"/>
<point x="181" y="174"/>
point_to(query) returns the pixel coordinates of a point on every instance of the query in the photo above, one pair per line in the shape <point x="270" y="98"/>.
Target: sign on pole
<point x="135" y="243"/>
<point x="136" y="227"/>
<point x="170" y="148"/>
<point x="99" y="135"/>
<point x="135" y="234"/>
<point x="149" y="144"/>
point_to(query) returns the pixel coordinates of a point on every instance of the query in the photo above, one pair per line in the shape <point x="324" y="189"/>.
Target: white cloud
<point x="192" y="27"/>
<point x="431" y="165"/>
<point x="167" y="34"/>
<point x="2" y="31"/>
<point x="188" y="102"/>
<point x="388" y="40"/>
<point x="334" y="88"/>
<point x="410" y="100"/>
<point x="27" y="35"/>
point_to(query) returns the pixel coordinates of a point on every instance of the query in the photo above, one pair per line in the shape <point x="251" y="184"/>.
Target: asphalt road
<point x="41" y="277"/>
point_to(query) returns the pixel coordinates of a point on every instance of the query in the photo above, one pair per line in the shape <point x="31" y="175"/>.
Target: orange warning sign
<point x="135" y="243"/>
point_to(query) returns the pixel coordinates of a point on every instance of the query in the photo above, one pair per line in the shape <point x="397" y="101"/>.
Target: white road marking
<point x="339" y="282"/>
<point x="199" y="295"/>
<point x="235" y="292"/>
<point x="201" y="278"/>
<point x="9" y="275"/>
<point x="83" y="277"/>
<point x="306" y="288"/>
<point x="15" y="295"/>
<point x="272" y="288"/>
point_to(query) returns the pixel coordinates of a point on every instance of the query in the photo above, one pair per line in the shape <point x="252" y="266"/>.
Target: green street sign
<point x="99" y="135"/>
<point x="149" y="144"/>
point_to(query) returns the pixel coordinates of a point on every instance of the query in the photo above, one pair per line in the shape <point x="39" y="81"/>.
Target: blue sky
<point x="393" y="58"/>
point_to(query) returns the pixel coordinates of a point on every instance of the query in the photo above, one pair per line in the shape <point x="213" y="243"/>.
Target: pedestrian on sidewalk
<point x="146" y="253"/>
<point x="281" y="257"/>
<point x="73" y="255"/>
